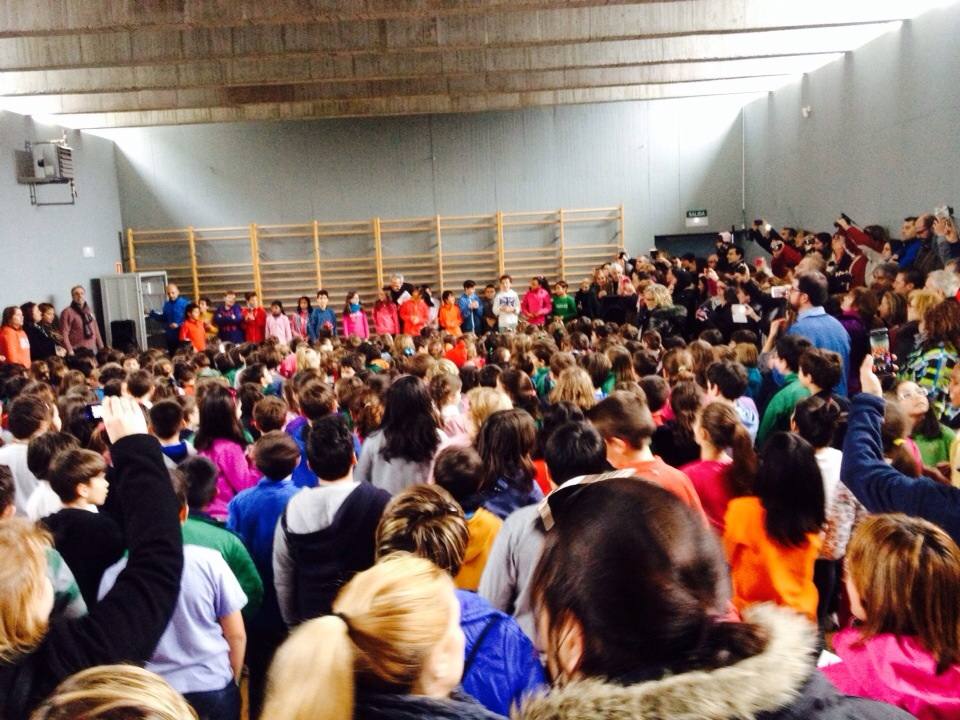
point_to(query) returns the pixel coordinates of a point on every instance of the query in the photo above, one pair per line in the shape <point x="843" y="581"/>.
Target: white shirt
<point x="43" y="502"/>
<point x="14" y="456"/>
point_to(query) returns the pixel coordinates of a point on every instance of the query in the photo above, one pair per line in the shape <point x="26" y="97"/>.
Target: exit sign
<point x="697" y="218"/>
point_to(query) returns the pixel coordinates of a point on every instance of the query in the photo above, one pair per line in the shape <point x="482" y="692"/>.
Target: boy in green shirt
<point x="777" y="416"/>
<point x="564" y="306"/>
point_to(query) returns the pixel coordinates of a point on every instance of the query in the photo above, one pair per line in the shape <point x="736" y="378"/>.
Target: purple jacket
<point x="898" y="670"/>
<point x="236" y="474"/>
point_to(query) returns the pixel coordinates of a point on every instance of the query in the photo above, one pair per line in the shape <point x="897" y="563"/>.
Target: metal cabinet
<point x="127" y="298"/>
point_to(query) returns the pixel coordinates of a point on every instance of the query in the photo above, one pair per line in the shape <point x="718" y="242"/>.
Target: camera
<point x="776" y="245"/>
<point x="944" y="212"/>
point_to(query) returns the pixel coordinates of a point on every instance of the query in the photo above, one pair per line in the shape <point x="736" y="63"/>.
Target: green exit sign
<point x="696" y="213"/>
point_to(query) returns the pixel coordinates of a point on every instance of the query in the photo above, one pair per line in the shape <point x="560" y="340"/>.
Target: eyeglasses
<point x="907" y="394"/>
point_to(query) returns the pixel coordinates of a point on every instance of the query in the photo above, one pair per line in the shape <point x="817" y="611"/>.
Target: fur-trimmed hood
<point x="762" y="683"/>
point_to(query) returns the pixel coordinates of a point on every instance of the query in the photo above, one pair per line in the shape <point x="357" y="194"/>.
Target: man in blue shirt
<point x="322" y="317"/>
<point x="471" y="309"/>
<point x="807" y="296"/>
<point x="172" y="315"/>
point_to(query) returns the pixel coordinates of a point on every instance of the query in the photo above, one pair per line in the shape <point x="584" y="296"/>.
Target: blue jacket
<point x="825" y="332"/>
<point x="230" y="323"/>
<point x="174" y="311"/>
<point x="472" y="319"/>
<point x="317" y="318"/>
<point x="908" y="253"/>
<point x="883" y="489"/>
<point x="303" y="476"/>
<point x="253" y="515"/>
<point x="505" y="666"/>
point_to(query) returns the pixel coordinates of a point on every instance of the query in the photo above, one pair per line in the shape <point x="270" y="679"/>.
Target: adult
<point x="659" y="313"/>
<point x="808" y="294"/>
<point x="858" y="316"/>
<point x="14" y="344"/>
<point x="632" y="593"/>
<point x="78" y="325"/>
<point x="927" y="259"/>
<point x="44" y="340"/>
<point x="229" y="319"/>
<point x="400" y="291"/>
<point x="909" y="243"/>
<point x="172" y="315"/>
<point x="879" y="486"/>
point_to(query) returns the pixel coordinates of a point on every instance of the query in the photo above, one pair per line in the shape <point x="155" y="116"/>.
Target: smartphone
<point x="93" y="412"/>
<point x="880" y="350"/>
<point x="779" y="291"/>
<point x="739" y="313"/>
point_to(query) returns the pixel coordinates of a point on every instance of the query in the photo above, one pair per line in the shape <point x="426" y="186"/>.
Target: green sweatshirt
<point x="778" y="413"/>
<point x="564" y="307"/>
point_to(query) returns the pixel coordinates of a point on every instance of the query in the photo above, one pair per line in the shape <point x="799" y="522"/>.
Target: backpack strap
<point x="475" y="650"/>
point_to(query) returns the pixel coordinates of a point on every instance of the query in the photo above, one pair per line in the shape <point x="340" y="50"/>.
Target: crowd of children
<point x="680" y="492"/>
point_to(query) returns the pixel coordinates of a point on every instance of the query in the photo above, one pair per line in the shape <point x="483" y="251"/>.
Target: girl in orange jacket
<point x="449" y="318"/>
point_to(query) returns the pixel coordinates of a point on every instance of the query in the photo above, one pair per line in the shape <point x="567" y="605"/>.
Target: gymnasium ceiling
<point x="118" y="63"/>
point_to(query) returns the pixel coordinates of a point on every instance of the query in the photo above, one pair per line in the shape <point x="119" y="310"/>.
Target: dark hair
<point x="8" y="489"/>
<point x="488" y="375"/>
<point x="316" y="399"/>
<point x="790" y="348"/>
<point x="722" y="425"/>
<point x="44" y="448"/>
<point x="817" y="420"/>
<point x="253" y="374"/>
<point x="913" y="276"/>
<point x="790" y="489"/>
<point x="646" y="579"/>
<point x="621" y="415"/>
<point x="410" y="422"/>
<point x="467" y="284"/>
<point x="505" y="443"/>
<point x="73" y="467"/>
<point x="218" y="418"/>
<point x="459" y="471"/>
<point x="166" y="418"/>
<point x="139" y="383"/>
<point x="574" y="449"/>
<point x="657" y="391"/>
<point x="519" y="388"/>
<point x="824" y="367"/>
<point x="814" y="285"/>
<point x="443" y="387"/>
<point x="200" y="478"/>
<point x="276" y="454"/>
<point x="941" y="323"/>
<point x="598" y="366"/>
<point x="330" y="448"/>
<point x="555" y="415"/>
<point x="729" y="376"/>
<point x="27" y="415"/>
<point x="270" y="413"/>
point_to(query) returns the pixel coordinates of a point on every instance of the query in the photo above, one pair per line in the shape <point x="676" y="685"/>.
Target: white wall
<point x="658" y="158"/>
<point x="881" y="142"/>
<point x="42" y="246"/>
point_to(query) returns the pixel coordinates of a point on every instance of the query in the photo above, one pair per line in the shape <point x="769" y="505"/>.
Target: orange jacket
<point x="196" y="332"/>
<point x="450" y="319"/>
<point x="15" y="346"/>
<point x="763" y="570"/>
<point x="482" y="527"/>
<point x="415" y="315"/>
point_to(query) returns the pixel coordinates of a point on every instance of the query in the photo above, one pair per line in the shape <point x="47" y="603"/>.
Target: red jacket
<point x="254" y="324"/>
<point x="14" y="346"/>
<point x="784" y="262"/>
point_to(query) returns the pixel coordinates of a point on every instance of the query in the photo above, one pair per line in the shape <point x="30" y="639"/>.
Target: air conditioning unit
<point x="44" y="163"/>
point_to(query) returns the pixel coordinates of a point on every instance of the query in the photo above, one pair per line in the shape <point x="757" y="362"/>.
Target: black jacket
<point x="89" y="542"/>
<point x="390" y="706"/>
<point x="42" y="344"/>
<point x="127" y="624"/>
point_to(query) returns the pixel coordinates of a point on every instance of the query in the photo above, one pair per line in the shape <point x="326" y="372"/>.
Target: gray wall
<point x="42" y="246"/>
<point x="658" y="158"/>
<point x="881" y="142"/>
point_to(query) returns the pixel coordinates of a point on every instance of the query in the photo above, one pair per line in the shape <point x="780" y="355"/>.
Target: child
<point x="903" y="580"/>
<point x="471" y="309"/>
<point x="445" y="391"/>
<point x="193" y="329"/>
<point x="564" y="306"/>
<point x="415" y="314"/>
<point x="627" y="429"/>
<point x="505" y="443"/>
<point x="206" y="315"/>
<point x="386" y="320"/>
<point x="326" y="534"/>
<point x="317" y="400"/>
<point x="201" y="651"/>
<point x="933" y="438"/>
<point x="450" y="318"/>
<point x="269" y="414"/>
<point x="278" y="325"/>
<point x="229" y="319"/>
<point x="28" y="417"/>
<point x="717" y="476"/>
<point x="254" y="319"/>
<point x="354" y="318"/>
<point x="537" y="304"/>
<point x="89" y="541"/>
<point x="489" y="314"/>
<point x="40" y="454"/>
<point x="727" y="382"/>
<point x="506" y="306"/>
<point x="322" y="318"/>
<point x="166" y="422"/>
<point x="300" y="319"/>
<point x="776" y="416"/>
<point x="459" y="471"/>
<point x="773" y="537"/>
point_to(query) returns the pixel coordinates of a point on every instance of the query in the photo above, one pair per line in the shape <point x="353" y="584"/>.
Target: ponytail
<point x="311" y="677"/>
<point x="722" y="425"/>
<point x="725" y="643"/>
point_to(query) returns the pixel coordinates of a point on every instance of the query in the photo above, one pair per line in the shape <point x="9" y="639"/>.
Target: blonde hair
<point x="22" y="585"/>
<point x="660" y="294"/>
<point x="386" y="622"/>
<point x="574" y="385"/>
<point x="307" y="358"/>
<point x="922" y="300"/>
<point x="482" y="402"/>
<point x="443" y="366"/>
<point x="426" y="521"/>
<point x="746" y="354"/>
<point x="907" y="572"/>
<point x="114" y="692"/>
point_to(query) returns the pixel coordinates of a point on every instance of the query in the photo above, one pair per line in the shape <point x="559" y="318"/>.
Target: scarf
<point x="84" y="312"/>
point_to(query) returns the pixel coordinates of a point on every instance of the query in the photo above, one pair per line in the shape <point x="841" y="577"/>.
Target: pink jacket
<point x="299" y="322"/>
<point x="356" y="324"/>
<point x="279" y="327"/>
<point x="536" y="306"/>
<point x="386" y="320"/>
<point x="895" y="669"/>
<point x="236" y="474"/>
